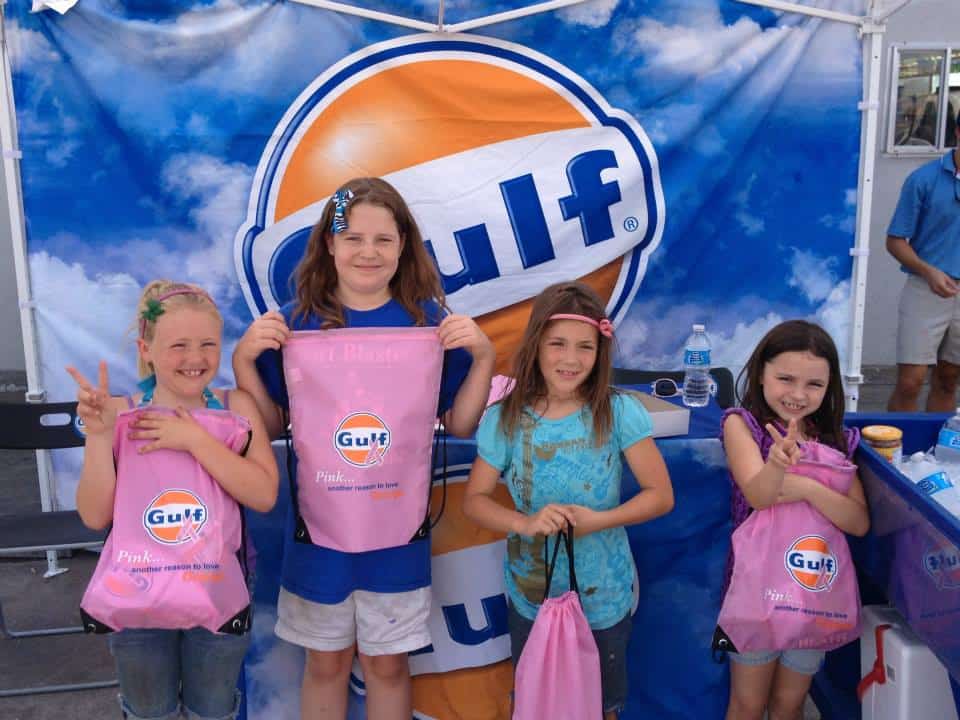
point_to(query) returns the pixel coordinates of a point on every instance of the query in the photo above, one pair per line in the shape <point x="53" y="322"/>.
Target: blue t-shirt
<point x="928" y="214"/>
<point x="556" y="461"/>
<point x="325" y="575"/>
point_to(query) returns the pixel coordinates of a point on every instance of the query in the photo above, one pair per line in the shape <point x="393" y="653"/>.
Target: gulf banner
<point x="694" y="161"/>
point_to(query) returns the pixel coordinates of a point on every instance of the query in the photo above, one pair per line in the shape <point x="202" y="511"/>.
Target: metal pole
<point x="11" y="176"/>
<point x="510" y="15"/>
<point x="371" y="14"/>
<point x="869" y="127"/>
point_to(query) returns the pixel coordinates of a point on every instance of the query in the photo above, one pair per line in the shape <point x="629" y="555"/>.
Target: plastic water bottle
<point x="696" y="369"/>
<point x="948" y="442"/>
<point x="931" y="479"/>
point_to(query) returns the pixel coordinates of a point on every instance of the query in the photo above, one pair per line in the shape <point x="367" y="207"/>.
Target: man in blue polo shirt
<point x="924" y="235"/>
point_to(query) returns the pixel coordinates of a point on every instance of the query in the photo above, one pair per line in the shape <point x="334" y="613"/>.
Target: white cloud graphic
<point x="220" y="191"/>
<point x="814" y="276"/>
<point x="593" y="13"/>
<point x="273" y="679"/>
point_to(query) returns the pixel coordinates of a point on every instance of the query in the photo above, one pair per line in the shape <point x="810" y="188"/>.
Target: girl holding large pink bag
<point x="168" y="469"/>
<point x="792" y="590"/>
<point x="362" y="363"/>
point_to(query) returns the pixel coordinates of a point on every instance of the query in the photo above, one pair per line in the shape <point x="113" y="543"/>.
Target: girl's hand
<point x="267" y="332"/>
<point x="784" y="452"/>
<point x="458" y="331"/>
<point x="585" y="520"/>
<point x="793" y="489"/>
<point x="547" y="521"/>
<point x="93" y="403"/>
<point x="168" y="432"/>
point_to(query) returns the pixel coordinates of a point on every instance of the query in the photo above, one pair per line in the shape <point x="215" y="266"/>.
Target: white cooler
<point x="913" y="684"/>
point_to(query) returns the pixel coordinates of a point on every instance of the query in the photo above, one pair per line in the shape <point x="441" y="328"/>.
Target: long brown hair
<point x="826" y="423"/>
<point x="567" y="297"/>
<point x="415" y="282"/>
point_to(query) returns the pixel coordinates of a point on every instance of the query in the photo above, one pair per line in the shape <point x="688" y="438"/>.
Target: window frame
<point x="948" y="52"/>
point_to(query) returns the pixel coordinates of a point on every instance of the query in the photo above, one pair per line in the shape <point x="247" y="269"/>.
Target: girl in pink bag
<point x="365" y="266"/>
<point x="168" y="469"/>
<point x="791" y="587"/>
<point x="558" y="438"/>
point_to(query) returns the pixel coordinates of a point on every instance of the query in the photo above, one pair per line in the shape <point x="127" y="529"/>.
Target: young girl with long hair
<point x="558" y="438"/>
<point x="791" y="395"/>
<point x="365" y="265"/>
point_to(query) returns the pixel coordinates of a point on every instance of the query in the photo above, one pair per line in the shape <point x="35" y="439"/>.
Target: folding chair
<point x="43" y="426"/>
<point x="721" y="375"/>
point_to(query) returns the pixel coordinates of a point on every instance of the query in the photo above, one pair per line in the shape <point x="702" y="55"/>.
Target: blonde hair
<point x="171" y="296"/>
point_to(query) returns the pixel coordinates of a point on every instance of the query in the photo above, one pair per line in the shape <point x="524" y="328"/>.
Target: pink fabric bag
<point x="171" y="558"/>
<point x="363" y="406"/>
<point x="558" y="674"/>
<point x="794" y="584"/>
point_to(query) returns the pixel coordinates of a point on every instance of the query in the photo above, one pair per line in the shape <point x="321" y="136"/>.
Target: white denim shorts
<point x="379" y="623"/>
<point x="928" y="326"/>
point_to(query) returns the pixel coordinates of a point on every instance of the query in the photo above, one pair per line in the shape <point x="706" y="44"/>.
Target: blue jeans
<point x="160" y="670"/>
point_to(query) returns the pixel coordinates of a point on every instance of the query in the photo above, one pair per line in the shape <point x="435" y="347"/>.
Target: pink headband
<point x="604" y="326"/>
<point x="154" y="308"/>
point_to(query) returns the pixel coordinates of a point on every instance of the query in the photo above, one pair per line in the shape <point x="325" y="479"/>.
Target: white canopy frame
<point x="871" y="27"/>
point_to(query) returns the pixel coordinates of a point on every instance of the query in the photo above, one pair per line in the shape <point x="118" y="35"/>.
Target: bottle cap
<point x="697" y="327"/>
<point x="881" y="433"/>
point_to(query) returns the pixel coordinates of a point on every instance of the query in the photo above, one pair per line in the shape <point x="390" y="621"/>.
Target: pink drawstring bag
<point x="794" y="584"/>
<point x="363" y="407"/>
<point x="558" y="674"/>
<point x="171" y="559"/>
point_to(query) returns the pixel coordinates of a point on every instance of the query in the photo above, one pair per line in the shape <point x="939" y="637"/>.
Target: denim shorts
<point x="611" y="643"/>
<point x="165" y="672"/>
<point x="805" y="662"/>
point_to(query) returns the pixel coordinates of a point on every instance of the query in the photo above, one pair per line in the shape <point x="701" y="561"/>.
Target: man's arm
<point x="940" y="283"/>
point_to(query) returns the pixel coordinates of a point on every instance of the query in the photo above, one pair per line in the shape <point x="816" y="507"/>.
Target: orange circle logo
<point x="174" y="517"/>
<point x="517" y="171"/>
<point x="810" y="563"/>
<point x="362" y="439"/>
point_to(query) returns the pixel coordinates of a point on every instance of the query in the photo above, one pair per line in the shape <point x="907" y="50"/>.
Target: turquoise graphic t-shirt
<point x="556" y="461"/>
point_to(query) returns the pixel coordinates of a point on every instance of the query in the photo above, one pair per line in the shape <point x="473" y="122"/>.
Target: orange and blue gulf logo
<point x="517" y="170"/>
<point x="362" y="439"/>
<point x="942" y="563"/>
<point x="174" y="517"/>
<point x="810" y="563"/>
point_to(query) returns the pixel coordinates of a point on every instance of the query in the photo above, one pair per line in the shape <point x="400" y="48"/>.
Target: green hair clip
<point x="153" y="310"/>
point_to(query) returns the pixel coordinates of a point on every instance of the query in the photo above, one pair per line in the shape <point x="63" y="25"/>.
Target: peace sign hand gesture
<point x="93" y="403"/>
<point x="785" y="451"/>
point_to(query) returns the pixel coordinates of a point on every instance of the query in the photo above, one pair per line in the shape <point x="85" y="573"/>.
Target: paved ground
<point x="31" y="601"/>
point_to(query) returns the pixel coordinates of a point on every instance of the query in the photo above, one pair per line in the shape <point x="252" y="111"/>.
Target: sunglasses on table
<point x="668" y="387"/>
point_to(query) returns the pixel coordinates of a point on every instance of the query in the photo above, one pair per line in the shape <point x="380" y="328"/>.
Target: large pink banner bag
<point x="558" y="674"/>
<point x="363" y="407"/>
<point x="794" y="584"/>
<point x="171" y="560"/>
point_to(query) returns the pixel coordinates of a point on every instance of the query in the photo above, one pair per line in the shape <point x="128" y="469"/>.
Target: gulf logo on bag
<point x="174" y="517"/>
<point x="810" y="563"/>
<point x="362" y="439"/>
<point x="943" y="565"/>
<point x="517" y="170"/>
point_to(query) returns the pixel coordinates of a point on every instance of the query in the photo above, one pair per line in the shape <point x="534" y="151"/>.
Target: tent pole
<point x="872" y="34"/>
<point x="371" y="14"/>
<point x="11" y="176"/>
<point x="510" y="15"/>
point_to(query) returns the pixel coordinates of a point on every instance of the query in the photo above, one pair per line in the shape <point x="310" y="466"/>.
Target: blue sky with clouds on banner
<point x="141" y="131"/>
